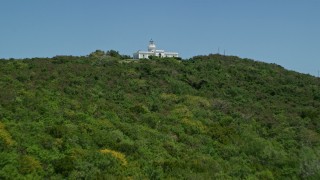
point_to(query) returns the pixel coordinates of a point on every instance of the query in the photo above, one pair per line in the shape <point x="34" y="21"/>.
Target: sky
<point x="285" y="32"/>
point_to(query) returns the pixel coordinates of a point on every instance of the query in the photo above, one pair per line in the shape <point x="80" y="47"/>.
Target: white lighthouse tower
<point x="152" y="46"/>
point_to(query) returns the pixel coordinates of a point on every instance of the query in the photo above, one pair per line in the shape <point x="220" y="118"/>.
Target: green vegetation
<point x="104" y="116"/>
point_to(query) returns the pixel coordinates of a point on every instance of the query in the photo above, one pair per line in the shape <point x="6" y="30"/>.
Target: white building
<point x="152" y="51"/>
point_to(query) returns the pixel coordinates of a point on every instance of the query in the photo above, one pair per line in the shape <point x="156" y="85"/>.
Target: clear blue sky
<point x="285" y="32"/>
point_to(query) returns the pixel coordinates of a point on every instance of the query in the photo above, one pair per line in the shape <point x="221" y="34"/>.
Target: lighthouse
<point x="152" y="51"/>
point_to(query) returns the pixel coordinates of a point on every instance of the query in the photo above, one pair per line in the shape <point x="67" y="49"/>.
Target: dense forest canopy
<point x="106" y="116"/>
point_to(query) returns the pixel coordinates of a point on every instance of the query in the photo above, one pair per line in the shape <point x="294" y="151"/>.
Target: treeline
<point x="106" y="116"/>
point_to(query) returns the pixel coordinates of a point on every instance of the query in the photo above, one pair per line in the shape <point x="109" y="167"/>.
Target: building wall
<point x="152" y="51"/>
<point x="159" y="53"/>
<point x="143" y="56"/>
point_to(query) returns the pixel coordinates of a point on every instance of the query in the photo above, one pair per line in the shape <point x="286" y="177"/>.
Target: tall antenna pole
<point x="224" y="52"/>
<point x="318" y="84"/>
<point x="318" y="93"/>
<point x="218" y="50"/>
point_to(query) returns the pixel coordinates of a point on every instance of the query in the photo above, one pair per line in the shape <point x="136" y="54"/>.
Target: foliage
<point x="118" y="155"/>
<point x="104" y="116"/>
<point x="110" y="53"/>
<point x="5" y="138"/>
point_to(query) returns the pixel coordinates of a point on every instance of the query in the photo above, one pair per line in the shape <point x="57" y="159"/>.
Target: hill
<point x="210" y="117"/>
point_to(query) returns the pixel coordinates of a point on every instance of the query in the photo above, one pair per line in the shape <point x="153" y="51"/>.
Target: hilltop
<point x="105" y="116"/>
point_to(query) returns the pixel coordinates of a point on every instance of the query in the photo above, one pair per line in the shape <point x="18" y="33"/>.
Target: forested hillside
<point x="210" y="117"/>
